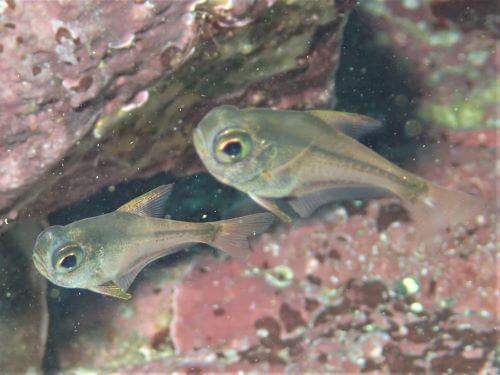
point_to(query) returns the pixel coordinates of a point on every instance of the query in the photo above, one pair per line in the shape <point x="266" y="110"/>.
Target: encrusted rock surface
<point x="346" y="291"/>
<point x="94" y="92"/>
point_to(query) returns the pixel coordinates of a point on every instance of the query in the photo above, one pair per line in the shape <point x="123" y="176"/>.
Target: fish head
<point x="232" y="146"/>
<point x="62" y="258"/>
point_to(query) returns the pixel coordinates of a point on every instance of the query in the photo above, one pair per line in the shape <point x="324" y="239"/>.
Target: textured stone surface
<point x="97" y="92"/>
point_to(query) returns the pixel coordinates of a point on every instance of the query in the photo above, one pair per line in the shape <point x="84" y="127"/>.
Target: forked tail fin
<point x="233" y="235"/>
<point x="442" y="208"/>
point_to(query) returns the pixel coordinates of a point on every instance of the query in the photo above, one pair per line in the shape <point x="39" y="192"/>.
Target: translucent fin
<point x="152" y="204"/>
<point x="234" y="233"/>
<point x="352" y="124"/>
<point x="124" y="281"/>
<point x="442" y="208"/>
<point x="270" y="205"/>
<point x="306" y="204"/>
<point x="112" y="290"/>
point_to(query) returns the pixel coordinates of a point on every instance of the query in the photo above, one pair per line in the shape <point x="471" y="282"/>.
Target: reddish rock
<point x="97" y="92"/>
<point x="391" y="301"/>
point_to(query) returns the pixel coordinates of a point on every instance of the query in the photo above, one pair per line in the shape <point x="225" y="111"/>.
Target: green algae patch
<point x="467" y="112"/>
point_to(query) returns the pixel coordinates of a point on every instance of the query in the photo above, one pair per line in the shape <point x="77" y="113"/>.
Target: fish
<point x="105" y="253"/>
<point x="309" y="158"/>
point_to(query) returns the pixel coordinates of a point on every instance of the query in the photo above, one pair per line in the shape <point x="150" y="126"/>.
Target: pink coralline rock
<point x="211" y="290"/>
<point x="338" y="294"/>
<point x="94" y="92"/>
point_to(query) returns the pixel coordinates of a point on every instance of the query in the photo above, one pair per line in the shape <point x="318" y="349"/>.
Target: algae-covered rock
<point x="448" y="49"/>
<point x="94" y="92"/>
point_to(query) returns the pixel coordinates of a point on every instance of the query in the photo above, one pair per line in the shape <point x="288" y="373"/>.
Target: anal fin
<point x="306" y="204"/>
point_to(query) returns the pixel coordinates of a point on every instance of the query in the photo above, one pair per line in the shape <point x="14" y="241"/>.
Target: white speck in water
<point x="481" y="220"/>
<point x="412" y="4"/>
<point x="204" y="216"/>
<point x="262" y="333"/>
<point x="3" y="6"/>
<point x="416" y="307"/>
<point x="411" y="285"/>
<point x="312" y="266"/>
<point x="484" y="313"/>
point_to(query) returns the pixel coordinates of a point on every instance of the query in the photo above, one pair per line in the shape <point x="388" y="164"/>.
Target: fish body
<point x="311" y="158"/>
<point x="105" y="253"/>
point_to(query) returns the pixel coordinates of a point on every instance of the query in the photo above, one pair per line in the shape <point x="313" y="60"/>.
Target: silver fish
<point x="105" y="253"/>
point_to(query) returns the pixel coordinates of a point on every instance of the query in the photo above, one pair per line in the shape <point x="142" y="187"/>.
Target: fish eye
<point x="68" y="258"/>
<point x="232" y="146"/>
<point x="68" y="262"/>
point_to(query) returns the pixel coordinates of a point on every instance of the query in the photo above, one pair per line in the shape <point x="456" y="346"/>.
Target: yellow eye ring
<point x="68" y="258"/>
<point x="232" y="146"/>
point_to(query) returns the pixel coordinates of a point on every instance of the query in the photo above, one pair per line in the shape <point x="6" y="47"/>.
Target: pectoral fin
<point x="124" y="281"/>
<point x="270" y="205"/>
<point x="352" y="124"/>
<point x="306" y="204"/>
<point x="110" y="289"/>
<point x="152" y="204"/>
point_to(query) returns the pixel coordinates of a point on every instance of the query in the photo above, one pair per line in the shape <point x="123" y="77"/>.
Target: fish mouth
<point x="40" y="265"/>
<point x="200" y="144"/>
<point x="198" y="138"/>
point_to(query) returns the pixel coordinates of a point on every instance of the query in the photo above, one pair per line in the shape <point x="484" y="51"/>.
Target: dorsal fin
<point x="150" y="204"/>
<point x="352" y="124"/>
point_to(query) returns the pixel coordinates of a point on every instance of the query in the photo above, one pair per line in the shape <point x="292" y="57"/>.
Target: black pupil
<point x="232" y="148"/>
<point x="69" y="261"/>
